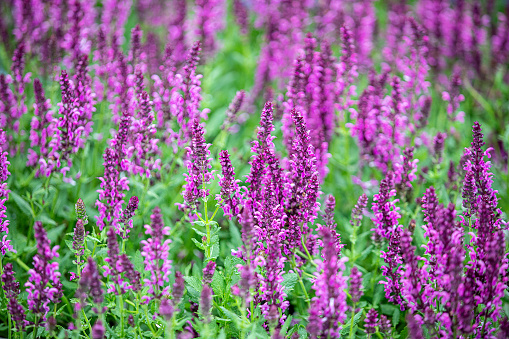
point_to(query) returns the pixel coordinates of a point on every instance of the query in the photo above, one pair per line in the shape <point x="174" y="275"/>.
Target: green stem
<point x="351" y="322"/>
<point x="294" y="264"/>
<point x="121" y="306"/>
<point x="88" y="322"/>
<point x="10" y="325"/>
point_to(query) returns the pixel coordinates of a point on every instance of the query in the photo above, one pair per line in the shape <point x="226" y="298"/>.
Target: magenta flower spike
<point x="5" y="245"/>
<point x="43" y="285"/>
<point x="156" y="257"/>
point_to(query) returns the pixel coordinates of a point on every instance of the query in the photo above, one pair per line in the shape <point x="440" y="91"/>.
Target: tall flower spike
<point x="81" y="211"/>
<point x="371" y="321"/>
<point x="230" y="195"/>
<point x="111" y="194"/>
<point x="208" y="272"/>
<point x="328" y="218"/>
<point x="198" y="167"/>
<point x="127" y="216"/>
<point x="79" y="238"/>
<point x="155" y="252"/>
<point x="67" y="135"/>
<point x="5" y="245"/>
<point x="233" y="111"/>
<point x="41" y="129"/>
<point x="90" y="285"/>
<point x="11" y="290"/>
<point x="43" y="285"/>
<point x="329" y="304"/>
<point x="355" y="285"/>
<point x="358" y="211"/>
<point x="206" y="303"/>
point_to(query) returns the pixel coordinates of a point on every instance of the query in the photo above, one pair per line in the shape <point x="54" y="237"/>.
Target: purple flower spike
<point x="41" y="128"/>
<point x="371" y="321"/>
<point x="127" y="216"/>
<point x="98" y="330"/>
<point x="358" y="211"/>
<point x="206" y="303"/>
<point x="208" y="272"/>
<point x="111" y="194"/>
<point x="90" y="285"/>
<point x="11" y="290"/>
<point x="79" y="238"/>
<point x="198" y="168"/>
<point x="5" y="245"/>
<point x="43" y="284"/>
<point x="155" y="252"/>
<point x="355" y="284"/>
<point x="233" y="111"/>
<point x="230" y="191"/>
<point x="329" y="304"/>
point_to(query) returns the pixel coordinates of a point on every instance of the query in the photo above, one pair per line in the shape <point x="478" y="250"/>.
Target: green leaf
<point x="289" y="281"/>
<point x="199" y="232"/>
<point x="193" y="282"/>
<point x="137" y="260"/>
<point x="194" y="288"/>
<point x="22" y="204"/>
<point x="303" y="333"/>
<point x="365" y="253"/>
<point x="346" y="328"/>
<point x="198" y="244"/>
<point x="395" y="317"/>
<point x="232" y="316"/>
<point x="199" y="223"/>
<point x="218" y="284"/>
<point x="286" y="325"/>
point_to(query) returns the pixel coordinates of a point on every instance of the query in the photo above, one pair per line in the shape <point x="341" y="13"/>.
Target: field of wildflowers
<point x="254" y="169"/>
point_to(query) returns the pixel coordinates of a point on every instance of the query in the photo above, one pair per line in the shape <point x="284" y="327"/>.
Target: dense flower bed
<point x="254" y="169"/>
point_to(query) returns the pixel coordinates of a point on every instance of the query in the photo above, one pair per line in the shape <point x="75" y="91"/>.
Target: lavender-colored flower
<point x="414" y="329"/>
<point x="111" y="194"/>
<point x="156" y="257"/>
<point x="198" y="167"/>
<point x="11" y="290"/>
<point x="469" y="193"/>
<point x="405" y="173"/>
<point x="178" y="288"/>
<point x="355" y="284"/>
<point x="98" y="330"/>
<point x="41" y="128"/>
<point x="241" y="15"/>
<point x="133" y="276"/>
<point x="43" y="285"/>
<point x="328" y="218"/>
<point x="166" y="309"/>
<point x="127" y="216"/>
<point x="89" y="284"/>
<point x="111" y="270"/>
<point x="371" y="321"/>
<point x="387" y="228"/>
<point x="385" y="325"/>
<point x="233" y="111"/>
<point x="329" y="285"/>
<point x="208" y="272"/>
<point x="271" y="283"/>
<point x="144" y="143"/>
<point x="85" y="99"/>
<point x="358" y="211"/>
<point x="208" y="21"/>
<point x="230" y="191"/>
<point x="304" y="192"/>
<point x="78" y="243"/>
<point x="206" y="303"/>
<point x="81" y="211"/>
<point x="66" y="140"/>
<point x="5" y="245"/>
<point x="438" y="146"/>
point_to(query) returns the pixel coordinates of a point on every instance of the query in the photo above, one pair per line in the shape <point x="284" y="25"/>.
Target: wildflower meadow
<point x="254" y="169"/>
